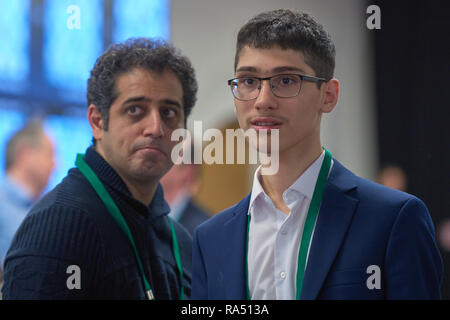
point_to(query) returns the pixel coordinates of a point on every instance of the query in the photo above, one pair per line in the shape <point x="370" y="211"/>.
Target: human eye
<point x="134" y="110"/>
<point x="247" y="82"/>
<point x="169" y="113"/>
<point x="286" y="80"/>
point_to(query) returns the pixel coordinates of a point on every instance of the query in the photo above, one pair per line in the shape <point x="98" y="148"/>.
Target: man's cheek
<point x="122" y="144"/>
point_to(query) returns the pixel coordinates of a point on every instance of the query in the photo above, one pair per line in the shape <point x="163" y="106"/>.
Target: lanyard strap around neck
<point x="310" y="221"/>
<point x="112" y="208"/>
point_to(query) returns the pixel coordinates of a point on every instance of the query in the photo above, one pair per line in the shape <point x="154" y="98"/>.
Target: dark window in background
<point x="45" y="64"/>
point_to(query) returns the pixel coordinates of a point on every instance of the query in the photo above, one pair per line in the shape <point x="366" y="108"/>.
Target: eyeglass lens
<point x="284" y="86"/>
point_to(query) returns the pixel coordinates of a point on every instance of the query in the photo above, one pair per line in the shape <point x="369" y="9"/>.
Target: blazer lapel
<point x="334" y="218"/>
<point x="235" y="231"/>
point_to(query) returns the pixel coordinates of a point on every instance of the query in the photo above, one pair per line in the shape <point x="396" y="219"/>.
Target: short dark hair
<point x="31" y="135"/>
<point x="290" y="30"/>
<point x="150" y="54"/>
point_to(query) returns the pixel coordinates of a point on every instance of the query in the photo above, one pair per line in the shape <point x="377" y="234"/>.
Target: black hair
<point x="290" y="30"/>
<point x="150" y="54"/>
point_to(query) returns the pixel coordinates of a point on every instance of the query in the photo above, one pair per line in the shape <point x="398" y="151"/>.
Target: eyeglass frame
<point x="302" y="77"/>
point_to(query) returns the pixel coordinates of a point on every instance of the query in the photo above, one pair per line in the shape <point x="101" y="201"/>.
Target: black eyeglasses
<point x="282" y="85"/>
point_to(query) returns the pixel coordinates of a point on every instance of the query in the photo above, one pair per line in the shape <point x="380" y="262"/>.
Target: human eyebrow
<point x="171" y="102"/>
<point x="245" y="68"/>
<point x="274" y="70"/>
<point x="146" y="99"/>
<point x="136" y="99"/>
<point x="287" y="68"/>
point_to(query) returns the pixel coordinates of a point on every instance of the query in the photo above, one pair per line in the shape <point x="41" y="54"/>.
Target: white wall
<point x="205" y="30"/>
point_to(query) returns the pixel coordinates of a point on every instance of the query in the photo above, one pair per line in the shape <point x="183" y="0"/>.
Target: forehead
<point x="270" y="60"/>
<point x="149" y="83"/>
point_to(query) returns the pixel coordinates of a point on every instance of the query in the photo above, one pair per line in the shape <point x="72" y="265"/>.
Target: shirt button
<point x="282" y="274"/>
<point x="284" y="232"/>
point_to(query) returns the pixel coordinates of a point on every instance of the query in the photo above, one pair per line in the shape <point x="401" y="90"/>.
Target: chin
<point x="150" y="171"/>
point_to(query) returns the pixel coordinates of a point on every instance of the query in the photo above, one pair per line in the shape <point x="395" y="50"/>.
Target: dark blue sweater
<point x="71" y="226"/>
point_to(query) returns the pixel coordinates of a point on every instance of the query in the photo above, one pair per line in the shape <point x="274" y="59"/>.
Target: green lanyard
<point x="117" y="215"/>
<point x="308" y="228"/>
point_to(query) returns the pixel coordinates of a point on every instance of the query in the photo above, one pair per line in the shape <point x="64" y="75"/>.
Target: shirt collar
<point x="257" y="189"/>
<point x="305" y="184"/>
<point x="110" y="178"/>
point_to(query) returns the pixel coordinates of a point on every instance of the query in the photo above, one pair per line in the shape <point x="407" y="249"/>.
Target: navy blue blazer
<point x="360" y="224"/>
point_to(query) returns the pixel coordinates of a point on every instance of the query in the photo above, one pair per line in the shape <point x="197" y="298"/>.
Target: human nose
<point x="266" y="99"/>
<point x="154" y="125"/>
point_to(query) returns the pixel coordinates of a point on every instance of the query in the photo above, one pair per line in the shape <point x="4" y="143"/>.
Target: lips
<point x="148" y="148"/>
<point x="266" y="123"/>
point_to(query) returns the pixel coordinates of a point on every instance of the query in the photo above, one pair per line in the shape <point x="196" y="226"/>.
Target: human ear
<point x="95" y="121"/>
<point x="330" y="95"/>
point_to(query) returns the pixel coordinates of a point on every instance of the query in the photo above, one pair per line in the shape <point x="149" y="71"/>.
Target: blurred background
<point x="392" y="112"/>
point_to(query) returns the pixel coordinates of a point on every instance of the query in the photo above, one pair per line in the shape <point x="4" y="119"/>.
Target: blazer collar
<point x="335" y="216"/>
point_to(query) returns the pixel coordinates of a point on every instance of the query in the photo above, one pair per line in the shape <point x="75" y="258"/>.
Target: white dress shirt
<point x="274" y="237"/>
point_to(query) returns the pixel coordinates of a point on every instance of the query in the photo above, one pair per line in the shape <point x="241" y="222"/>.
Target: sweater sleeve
<point x="54" y="255"/>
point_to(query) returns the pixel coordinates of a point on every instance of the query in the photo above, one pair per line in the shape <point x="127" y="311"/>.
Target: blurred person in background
<point x="394" y="177"/>
<point x="443" y="234"/>
<point x="180" y="184"/>
<point x="29" y="164"/>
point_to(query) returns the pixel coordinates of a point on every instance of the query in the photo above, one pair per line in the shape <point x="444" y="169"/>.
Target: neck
<point x="293" y="163"/>
<point x="20" y="176"/>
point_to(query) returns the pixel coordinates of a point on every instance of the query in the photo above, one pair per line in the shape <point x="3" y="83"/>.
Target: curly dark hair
<point x="150" y="54"/>
<point x="290" y="30"/>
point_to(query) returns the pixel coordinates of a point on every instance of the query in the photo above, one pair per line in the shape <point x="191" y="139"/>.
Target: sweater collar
<point x="110" y="178"/>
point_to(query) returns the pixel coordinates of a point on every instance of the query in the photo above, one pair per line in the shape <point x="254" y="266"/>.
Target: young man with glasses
<point x="313" y="230"/>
